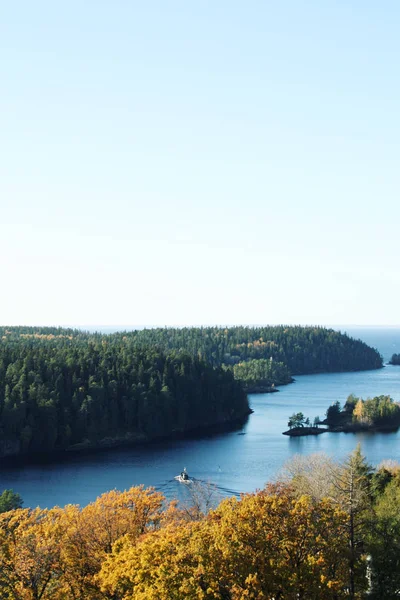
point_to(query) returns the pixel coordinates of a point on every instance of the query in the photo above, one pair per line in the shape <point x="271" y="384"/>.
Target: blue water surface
<point x="236" y="461"/>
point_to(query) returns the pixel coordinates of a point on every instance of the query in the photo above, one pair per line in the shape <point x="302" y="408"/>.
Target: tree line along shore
<point x="63" y="389"/>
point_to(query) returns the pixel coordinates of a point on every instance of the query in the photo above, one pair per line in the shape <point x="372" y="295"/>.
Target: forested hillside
<point x="60" y="388"/>
<point x="63" y="387"/>
<point x="302" y="349"/>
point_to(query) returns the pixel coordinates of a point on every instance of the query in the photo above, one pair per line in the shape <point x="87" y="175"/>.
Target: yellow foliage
<point x="43" y="336"/>
<point x="55" y="554"/>
<point x="29" y="555"/>
<point x="126" y="547"/>
<point x="262" y="547"/>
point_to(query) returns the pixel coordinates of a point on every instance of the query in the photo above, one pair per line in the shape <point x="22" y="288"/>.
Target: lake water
<point x="236" y="461"/>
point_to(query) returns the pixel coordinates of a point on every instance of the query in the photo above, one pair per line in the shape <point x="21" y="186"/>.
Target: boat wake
<point x="173" y="488"/>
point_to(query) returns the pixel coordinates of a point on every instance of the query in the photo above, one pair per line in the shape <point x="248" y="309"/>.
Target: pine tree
<point x="352" y="492"/>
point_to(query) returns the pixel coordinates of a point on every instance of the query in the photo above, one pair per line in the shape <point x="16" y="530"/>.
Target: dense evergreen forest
<point x="304" y="350"/>
<point x="60" y="387"/>
<point x="64" y="387"/>
<point x="262" y="374"/>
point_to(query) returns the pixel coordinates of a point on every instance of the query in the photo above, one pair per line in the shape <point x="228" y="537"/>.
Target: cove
<point x="235" y="461"/>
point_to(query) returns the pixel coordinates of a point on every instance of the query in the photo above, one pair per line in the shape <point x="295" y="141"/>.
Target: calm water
<point x="238" y="461"/>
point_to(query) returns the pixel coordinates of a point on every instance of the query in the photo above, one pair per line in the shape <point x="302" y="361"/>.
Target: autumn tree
<point x="56" y="554"/>
<point x="29" y="555"/>
<point x="266" y="545"/>
<point x="88" y="534"/>
<point x="347" y="485"/>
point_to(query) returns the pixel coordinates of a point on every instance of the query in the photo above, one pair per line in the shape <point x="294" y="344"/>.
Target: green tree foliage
<point x="333" y="414"/>
<point x="380" y="412"/>
<point x="395" y="360"/>
<point x="63" y="388"/>
<point x="60" y="387"/>
<point x="262" y="372"/>
<point x="350" y="404"/>
<point x="302" y="349"/>
<point x="297" y="420"/>
<point x="383" y="475"/>
<point x="384" y="542"/>
<point x="371" y="500"/>
<point x="377" y="411"/>
<point x="351" y="488"/>
<point x="10" y="500"/>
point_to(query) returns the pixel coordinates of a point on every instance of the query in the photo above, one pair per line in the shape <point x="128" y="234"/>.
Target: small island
<point x="300" y="425"/>
<point x="380" y="413"/>
<point x="395" y="360"/>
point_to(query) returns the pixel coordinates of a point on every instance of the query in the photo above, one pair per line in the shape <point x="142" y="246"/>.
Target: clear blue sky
<point x="210" y="162"/>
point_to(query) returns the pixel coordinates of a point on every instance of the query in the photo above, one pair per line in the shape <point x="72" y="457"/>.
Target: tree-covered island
<point x="395" y="360"/>
<point x="300" y="425"/>
<point x="381" y="413"/>
<point x="63" y="389"/>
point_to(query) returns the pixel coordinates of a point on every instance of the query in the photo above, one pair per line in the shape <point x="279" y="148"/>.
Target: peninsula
<point x="66" y="389"/>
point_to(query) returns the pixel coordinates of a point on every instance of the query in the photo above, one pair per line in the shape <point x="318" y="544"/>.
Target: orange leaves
<point x="264" y="546"/>
<point x="115" y="514"/>
<point x="56" y="554"/>
<point x="29" y="553"/>
<point x="88" y="535"/>
<point x="164" y="564"/>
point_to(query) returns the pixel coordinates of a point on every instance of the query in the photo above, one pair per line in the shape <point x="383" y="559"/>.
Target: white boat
<point x="183" y="477"/>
